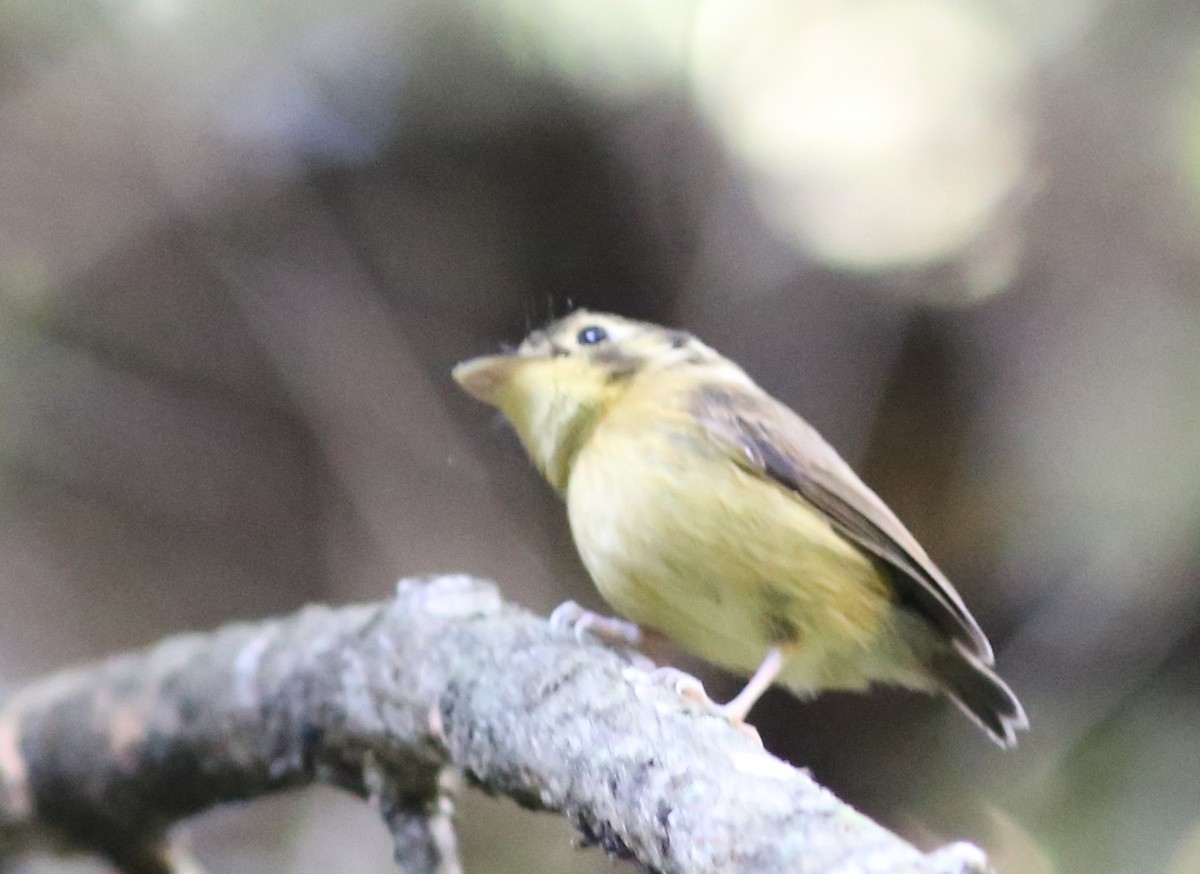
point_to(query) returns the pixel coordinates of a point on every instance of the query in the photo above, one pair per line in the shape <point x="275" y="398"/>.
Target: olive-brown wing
<point x="764" y="436"/>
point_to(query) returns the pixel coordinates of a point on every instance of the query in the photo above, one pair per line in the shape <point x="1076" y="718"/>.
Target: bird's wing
<point x="764" y="436"/>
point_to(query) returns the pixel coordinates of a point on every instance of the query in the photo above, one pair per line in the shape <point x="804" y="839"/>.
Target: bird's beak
<point x="483" y="378"/>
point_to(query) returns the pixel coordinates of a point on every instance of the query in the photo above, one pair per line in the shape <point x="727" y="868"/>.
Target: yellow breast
<point x="679" y="538"/>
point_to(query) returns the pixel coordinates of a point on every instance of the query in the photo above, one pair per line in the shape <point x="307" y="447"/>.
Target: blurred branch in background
<point x="241" y="244"/>
<point x="378" y="700"/>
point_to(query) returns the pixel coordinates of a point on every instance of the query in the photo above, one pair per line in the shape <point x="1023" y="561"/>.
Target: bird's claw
<point x="569" y="616"/>
<point x="684" y="685"/>
<point x="692" y="690"/>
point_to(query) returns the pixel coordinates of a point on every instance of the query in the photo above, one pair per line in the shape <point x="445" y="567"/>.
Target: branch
<point x="383" y="700"/>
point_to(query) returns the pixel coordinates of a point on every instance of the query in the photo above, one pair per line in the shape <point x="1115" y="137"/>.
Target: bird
<point x="708" y="511"/>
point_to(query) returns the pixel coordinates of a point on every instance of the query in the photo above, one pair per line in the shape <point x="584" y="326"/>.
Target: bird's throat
<point x="553" y="430"/>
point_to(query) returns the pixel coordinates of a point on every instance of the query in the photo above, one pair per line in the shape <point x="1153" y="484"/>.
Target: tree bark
<point x="392" y="701"/>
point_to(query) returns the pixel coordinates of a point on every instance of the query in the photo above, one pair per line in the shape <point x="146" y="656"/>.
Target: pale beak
<point x="483" y="378"/>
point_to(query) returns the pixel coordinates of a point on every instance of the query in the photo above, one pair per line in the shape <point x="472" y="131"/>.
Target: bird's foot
<point x="569" y="616"/>
<point x="691" y="689"/>
<point x="684" y="685"/>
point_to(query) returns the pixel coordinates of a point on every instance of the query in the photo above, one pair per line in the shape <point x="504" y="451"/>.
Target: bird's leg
<point x="737" y="709"/>
<point x="615" y="632"/>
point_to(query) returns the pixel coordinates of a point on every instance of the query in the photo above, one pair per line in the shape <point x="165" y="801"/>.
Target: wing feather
<point x="764" y="436"/>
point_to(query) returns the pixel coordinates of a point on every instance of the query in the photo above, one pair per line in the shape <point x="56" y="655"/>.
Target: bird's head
<point x="557" y="384"/>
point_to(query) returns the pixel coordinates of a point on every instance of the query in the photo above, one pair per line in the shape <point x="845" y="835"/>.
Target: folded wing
<point x="765" y="437"/>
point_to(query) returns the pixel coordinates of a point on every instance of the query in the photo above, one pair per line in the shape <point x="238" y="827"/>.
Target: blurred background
<point x="242" y="243"/>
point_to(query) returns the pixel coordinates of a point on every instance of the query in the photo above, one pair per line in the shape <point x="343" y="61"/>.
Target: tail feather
<point x="980" y="694"/>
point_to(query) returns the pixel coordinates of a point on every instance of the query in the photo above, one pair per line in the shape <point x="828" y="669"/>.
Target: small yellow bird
<point x="707" y="510"/>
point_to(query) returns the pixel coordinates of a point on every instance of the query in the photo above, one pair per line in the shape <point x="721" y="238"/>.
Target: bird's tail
<point x="980" y="694"/>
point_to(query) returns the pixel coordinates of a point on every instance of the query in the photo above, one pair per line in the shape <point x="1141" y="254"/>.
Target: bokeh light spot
<point x="879" y="134"/>
<point x="619" y="48"/>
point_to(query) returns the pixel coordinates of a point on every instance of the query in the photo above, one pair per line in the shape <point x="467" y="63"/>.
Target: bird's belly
<point x="725" y="563"/>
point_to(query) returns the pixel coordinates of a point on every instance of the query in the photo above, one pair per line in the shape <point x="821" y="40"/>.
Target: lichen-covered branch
<point x="387" y="701"/>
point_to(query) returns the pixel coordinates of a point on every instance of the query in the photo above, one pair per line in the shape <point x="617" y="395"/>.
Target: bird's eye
<point x="591" y="335"/>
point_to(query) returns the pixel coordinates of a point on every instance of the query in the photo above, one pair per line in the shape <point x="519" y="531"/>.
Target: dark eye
<point x="591" y="335"/>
